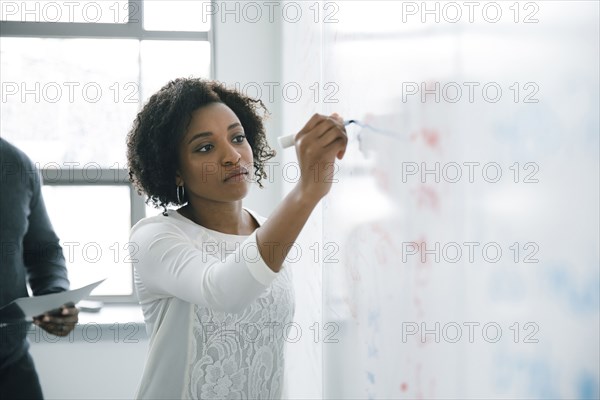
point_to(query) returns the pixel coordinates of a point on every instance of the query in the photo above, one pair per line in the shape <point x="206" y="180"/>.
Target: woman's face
<point x="213" y="146"/>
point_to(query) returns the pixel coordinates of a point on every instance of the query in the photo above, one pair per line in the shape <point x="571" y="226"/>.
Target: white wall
<point x="245" y="53"/>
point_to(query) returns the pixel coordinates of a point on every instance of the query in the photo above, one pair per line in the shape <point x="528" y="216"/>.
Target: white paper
<point x="38" y="305"/>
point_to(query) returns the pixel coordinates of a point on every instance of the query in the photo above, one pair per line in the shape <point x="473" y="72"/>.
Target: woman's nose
<point x="232" y="156"/>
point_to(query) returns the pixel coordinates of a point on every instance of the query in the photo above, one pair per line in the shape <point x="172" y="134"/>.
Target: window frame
<point x="132" y="29"/>
<point x="105" y="177"/>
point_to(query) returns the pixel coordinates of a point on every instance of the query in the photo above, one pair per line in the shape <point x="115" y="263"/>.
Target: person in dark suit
<point x="29" y="253"/>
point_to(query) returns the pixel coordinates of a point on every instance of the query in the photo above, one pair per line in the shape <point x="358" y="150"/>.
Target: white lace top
<point x="214" y="311"/>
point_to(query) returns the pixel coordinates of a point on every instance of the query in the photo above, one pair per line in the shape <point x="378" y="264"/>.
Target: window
<point x="74" y="76"/>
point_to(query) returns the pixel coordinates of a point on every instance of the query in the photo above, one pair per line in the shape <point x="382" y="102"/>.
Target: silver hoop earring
<point x="180" y="198"/>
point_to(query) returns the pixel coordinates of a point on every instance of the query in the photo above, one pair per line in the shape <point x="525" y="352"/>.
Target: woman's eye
<point x="199" y="149"/>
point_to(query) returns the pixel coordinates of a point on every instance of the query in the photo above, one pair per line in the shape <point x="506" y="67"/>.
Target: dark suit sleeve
<point x="43" y="255"/>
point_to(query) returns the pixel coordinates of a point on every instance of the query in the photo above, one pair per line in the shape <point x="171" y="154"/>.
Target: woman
<point x="210" y="276"/>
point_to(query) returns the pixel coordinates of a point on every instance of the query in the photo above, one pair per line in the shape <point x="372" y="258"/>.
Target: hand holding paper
<point x="55" y="313"/>
<point x="38" y="305"/>
<point x="59" y="323"/>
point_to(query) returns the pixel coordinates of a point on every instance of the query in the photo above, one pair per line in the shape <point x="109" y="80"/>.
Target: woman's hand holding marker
<point x="317" y="144"/>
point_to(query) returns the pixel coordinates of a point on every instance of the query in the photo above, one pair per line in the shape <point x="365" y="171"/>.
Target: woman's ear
<point x="178" y="178"/>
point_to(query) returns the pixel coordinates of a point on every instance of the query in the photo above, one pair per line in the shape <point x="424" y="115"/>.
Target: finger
<point x="70" y="311"/>
<point x="67" y="327"/>
<point x="339" y="121"/>
<point x="48" y="327"/>
<point x="62" y="330"/>
<point x="326" y="125"/>
<point x="338" y="145"/>
<point x="338" y="118"/>
<point x="312" y="122"/>
<point x="61" y="312"/>
<point x="38" y="318"/>
<point x="335" y="133"/>
<point x="60" y="320"/>
<point x="330" y="139"/>
<point x="57" y="329"/>
<point x="64" y="326"/>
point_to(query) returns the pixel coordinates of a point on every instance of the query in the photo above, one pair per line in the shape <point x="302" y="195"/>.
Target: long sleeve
<point x="29" y="249"/>
<point x="169" y="263"/>
<point x="42" y="253"/>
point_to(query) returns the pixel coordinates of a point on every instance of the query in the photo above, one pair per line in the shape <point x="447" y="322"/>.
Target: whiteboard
<point x="459" y="244"/>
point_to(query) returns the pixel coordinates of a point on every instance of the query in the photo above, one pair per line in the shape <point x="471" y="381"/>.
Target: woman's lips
<point x="237" y="176"/>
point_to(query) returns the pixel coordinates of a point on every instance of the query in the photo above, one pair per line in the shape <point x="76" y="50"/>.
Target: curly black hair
<point x="153" y="141"/>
